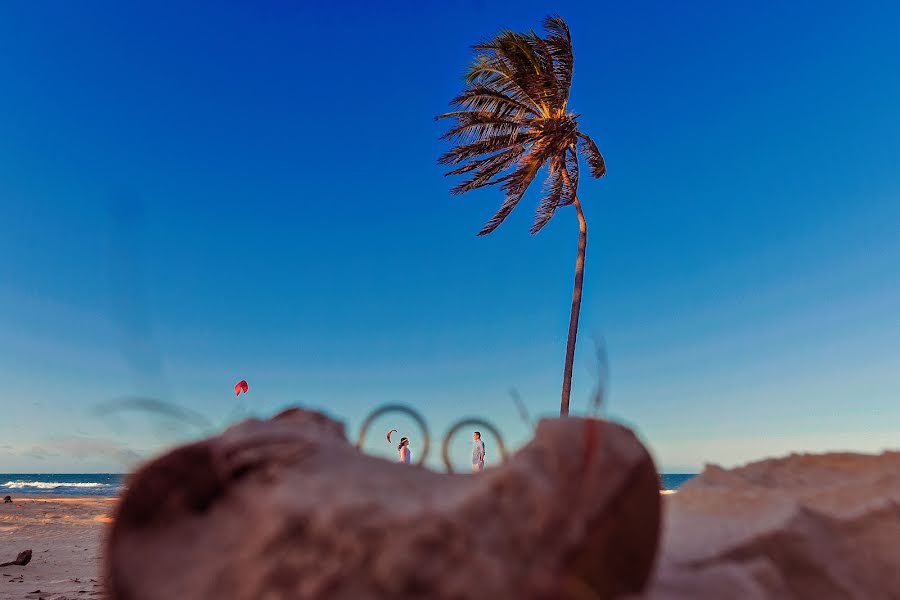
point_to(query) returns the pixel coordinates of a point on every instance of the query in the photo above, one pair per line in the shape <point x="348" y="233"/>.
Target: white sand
<point x="65" y="535"/>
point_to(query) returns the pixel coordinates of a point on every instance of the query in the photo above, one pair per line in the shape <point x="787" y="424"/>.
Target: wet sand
<point x="65" y="536"/>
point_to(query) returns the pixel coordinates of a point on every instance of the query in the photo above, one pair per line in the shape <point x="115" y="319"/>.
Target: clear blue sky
<point x="190" y="196"/>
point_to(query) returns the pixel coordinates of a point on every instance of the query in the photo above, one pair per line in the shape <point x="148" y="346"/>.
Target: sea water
<point x="110" y="484"/>
<point x="672" y="481"/>
<point x="67" y="484"/>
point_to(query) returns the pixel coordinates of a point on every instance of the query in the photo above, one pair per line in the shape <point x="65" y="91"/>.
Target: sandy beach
<point x="65" y="535"/>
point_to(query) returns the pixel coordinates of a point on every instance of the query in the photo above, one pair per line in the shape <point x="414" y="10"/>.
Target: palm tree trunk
<point x="576" y="311"/>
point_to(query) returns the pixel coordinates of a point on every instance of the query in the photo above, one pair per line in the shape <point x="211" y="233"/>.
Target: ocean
<point x="64" y="484"/>
<point x="109" y="484"/>
<point x="673" y="481"/>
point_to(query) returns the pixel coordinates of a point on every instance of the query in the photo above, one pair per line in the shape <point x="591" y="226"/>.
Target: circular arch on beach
<point x="401" y="408"/>
<point x="469" y="421"/>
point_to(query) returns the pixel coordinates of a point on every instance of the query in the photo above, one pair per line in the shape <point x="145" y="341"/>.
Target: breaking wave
<point x="52" y="485"/>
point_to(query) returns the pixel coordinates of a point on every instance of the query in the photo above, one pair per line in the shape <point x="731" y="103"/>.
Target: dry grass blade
<point x="154" y="407"/>
<point x="520" y="406"/>
<point x="601" y="389"/>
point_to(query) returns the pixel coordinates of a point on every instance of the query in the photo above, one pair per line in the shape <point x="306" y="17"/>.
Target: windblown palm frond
<point x="512" y="120"/>
<point x="592" y="156"/>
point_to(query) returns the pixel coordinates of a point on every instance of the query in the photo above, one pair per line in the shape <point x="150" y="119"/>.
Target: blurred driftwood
<point x="287" y="508"/>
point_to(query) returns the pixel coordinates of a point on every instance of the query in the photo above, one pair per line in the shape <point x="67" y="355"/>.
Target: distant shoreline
<point x="110" y="485"/>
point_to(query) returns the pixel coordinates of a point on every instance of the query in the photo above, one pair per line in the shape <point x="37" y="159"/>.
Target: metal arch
<point x="445" y="446"/>
<point x="402" y="408"/>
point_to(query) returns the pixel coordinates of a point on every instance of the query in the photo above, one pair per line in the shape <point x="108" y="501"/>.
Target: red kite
<point x="241" y="386"/>
<point x="389" y="435"/>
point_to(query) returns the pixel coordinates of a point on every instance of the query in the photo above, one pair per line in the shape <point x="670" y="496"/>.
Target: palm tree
<point x="511" y="121"/>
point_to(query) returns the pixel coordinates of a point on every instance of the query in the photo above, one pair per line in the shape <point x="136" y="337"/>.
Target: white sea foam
<point x="51" y="485"/>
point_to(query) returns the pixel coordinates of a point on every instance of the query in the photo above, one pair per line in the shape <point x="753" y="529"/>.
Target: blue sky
<point x="191" y="197"/>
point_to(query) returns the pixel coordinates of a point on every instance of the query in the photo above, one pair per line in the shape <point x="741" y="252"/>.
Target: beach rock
<point x="22" y="559"/>
<point x="7" y="500"/>
<point x="805" y="526"/>
<point x="286" y="508"/>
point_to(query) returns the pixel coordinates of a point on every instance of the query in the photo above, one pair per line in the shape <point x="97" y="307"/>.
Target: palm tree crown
<point x="512" y="119"/>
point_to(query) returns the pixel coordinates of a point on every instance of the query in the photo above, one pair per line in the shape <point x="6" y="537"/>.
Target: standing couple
<point x="477" y="452"/>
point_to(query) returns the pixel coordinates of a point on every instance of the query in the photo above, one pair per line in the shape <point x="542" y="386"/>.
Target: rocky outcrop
<point x="805" y="526"/>
<point x="286" y="508"/>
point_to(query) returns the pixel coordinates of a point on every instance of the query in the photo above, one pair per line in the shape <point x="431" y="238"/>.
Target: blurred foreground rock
<point x="806" y="526"/>
<point x="286" y="508"/>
